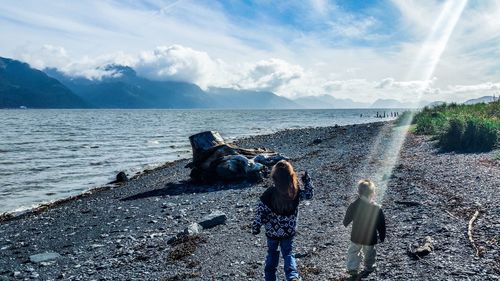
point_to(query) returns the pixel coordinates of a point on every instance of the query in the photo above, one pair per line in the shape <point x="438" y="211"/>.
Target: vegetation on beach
<point x="497" y="156"/>
<point x="461" y="127"/>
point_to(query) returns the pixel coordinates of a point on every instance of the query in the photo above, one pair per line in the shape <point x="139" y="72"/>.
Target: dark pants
<point x="273" y="259"/>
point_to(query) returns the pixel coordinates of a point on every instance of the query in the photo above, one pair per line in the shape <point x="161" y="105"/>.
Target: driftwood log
<point x="470" y="235"/>
<point x="203" y="142"/>
<point x="214" y="159"/>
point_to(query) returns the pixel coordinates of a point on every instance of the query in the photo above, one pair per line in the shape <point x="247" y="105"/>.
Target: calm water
<point x="51" y="154"/>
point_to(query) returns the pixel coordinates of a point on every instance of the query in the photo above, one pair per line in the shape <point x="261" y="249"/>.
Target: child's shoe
<point x="366" y="272"/>
<point x="352" y="272"/>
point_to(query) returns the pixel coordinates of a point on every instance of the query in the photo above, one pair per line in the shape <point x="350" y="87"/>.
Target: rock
<point x="418" y="252"/>
<point x="408" y="203"/>
<point x="44" y="257"/>
<point x="121" y="177"/>
<point x="172" y="240"/>
<point x="213" y="220"/>
<point x="193" y="229"/>
<point x="317" y="141"/>
<point x="301" y="255"/>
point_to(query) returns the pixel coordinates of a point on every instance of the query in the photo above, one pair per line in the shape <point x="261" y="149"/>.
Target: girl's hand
<point x="305" y="177"/>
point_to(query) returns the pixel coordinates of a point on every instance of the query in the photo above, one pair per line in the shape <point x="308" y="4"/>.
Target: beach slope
<point x="121" y="232"/>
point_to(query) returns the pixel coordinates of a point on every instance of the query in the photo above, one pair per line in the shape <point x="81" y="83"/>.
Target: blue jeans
<point x="273" y="259"/>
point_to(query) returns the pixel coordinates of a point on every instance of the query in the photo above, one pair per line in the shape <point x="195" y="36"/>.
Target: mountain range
<point x="485" y="99"/>
<point x="23" y="86"/>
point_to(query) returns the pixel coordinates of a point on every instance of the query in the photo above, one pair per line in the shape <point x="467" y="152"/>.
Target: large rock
<point x="44" y="257"/>
<point x="213" y="220"/>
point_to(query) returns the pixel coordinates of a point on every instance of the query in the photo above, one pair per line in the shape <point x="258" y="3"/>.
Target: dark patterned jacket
<point x="367" y="219"/>
<point x="279" y="226"/>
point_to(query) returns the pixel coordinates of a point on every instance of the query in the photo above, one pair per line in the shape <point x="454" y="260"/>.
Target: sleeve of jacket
<point x="308" y="191"/>
<point x="381" y="225"/>
<point x="348" y="215"/>
<point x="261" y="216"/>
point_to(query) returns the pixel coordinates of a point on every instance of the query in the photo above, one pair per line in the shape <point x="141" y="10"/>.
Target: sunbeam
<point x="386" y="153"/>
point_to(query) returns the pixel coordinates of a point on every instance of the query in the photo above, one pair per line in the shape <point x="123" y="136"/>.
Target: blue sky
<point x="364" y="50"/>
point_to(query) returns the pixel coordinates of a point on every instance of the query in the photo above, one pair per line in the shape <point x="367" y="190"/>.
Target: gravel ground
<point x="101" y="236"/>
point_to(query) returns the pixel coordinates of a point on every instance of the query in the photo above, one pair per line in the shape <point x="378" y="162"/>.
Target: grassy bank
<point x="461" y="127"/>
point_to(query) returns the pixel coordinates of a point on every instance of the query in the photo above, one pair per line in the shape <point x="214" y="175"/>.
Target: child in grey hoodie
<point x="367" y="220"/>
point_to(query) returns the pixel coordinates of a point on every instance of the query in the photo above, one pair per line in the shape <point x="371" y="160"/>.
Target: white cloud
<point x="177" y="63"/>
<point x="418" y="16"/>
<point x="46" y="56"/>
<point x="173" y="63"/>
<point x="385" y="83"/>
<point x="351" y="27"/>
<point x="332" y="86"/>
<point x="488" y="86"/>
<point x="269" y="75"/>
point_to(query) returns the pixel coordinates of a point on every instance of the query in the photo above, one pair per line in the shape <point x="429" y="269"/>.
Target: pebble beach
<point x="124" y="231"/>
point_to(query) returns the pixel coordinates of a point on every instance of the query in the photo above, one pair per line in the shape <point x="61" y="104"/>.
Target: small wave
<point x="65" y="140"/>
<point x="38" y="169"/>
<point x="155" y="142"/>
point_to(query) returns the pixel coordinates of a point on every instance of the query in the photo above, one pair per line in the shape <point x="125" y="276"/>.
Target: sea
<point x="50" y="154"/>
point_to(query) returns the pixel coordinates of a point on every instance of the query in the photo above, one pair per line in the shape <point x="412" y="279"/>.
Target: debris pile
<point x="214" y="159"/>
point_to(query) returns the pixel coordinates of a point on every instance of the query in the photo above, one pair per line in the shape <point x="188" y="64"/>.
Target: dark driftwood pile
<point x="214" y="159"/>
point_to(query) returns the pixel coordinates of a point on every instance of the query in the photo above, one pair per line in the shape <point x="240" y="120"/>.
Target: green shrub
<point x="459" y="127"/>
<point x="480" y="135"/>
<point x="430" y="123"/>
<point x="451" y="138"/>
<point x="472" y="135"/>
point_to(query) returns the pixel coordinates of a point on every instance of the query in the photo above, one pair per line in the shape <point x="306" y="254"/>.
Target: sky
<point x="362" y="50"/>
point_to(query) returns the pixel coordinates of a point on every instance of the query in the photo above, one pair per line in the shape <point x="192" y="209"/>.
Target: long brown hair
<point x="286" y="187"/>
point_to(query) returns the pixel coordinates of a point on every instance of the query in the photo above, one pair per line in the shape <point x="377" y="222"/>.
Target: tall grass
<point x="464" y="128"/>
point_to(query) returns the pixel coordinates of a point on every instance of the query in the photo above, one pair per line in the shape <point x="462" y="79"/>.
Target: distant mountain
<point x="485" y="99"/>
<point x="21" y="85"/>
<point x="124" y="89"/>
<point x="388" y="103"/>
<point x="435" y="103"/>
<point x="327" y="101"/>
<point x="238" y="99"/>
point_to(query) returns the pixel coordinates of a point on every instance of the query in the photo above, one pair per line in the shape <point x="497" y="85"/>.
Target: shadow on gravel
<point x="186" y="187"/>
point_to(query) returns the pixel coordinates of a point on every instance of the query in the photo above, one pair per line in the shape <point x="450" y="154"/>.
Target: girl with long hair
<point x="277" y="210"/>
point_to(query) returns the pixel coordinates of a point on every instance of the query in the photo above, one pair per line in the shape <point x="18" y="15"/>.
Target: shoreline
<point x="14" y="215"/>
<point x="122" y="233"/>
